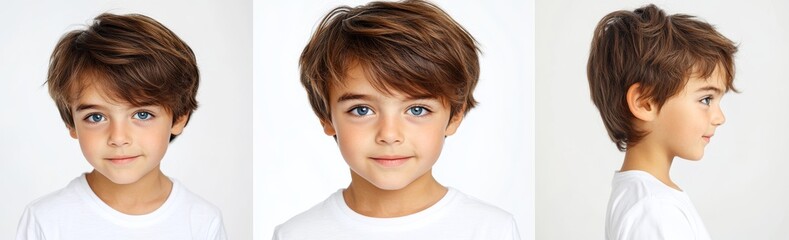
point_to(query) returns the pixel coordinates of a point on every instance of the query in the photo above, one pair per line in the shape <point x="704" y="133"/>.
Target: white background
<point x="740" y="187"/>
<point x="491" y="156"/>
<point x="212" y="157"/>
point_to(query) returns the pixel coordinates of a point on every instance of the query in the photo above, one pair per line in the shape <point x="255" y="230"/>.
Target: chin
<point x="122" y="180"/>
<point x="693" y="157"/>
<point x="388" y="186"/>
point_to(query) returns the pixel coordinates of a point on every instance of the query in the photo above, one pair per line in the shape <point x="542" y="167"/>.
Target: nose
<point x="718" y="118"/>
<point x="389" y="131"/>
<point x="119" y="134"/>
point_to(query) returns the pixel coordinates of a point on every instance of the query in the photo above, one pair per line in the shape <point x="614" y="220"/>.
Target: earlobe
<point x="640" y="106"/>
<point x="179" y="124"/>
<point x="72" y="131"/>
<point x="328" y="128"/>
<point x="453" y="125"/>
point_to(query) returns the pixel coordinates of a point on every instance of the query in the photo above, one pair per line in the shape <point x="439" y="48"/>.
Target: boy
<point x="389" y="82"/>
<point x="657" y="80"/>
<point x="125" y="87"/>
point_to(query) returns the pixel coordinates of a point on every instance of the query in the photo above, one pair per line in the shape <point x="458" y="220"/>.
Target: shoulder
<point x="470" y="206"/>
<point x="656" y="218"/>
<point x="644" y="208"/>
<point x="631" y="187"/>
<point x="205" y="218"/>
<point x="479" y="218"/>
<point x="49" y="211"/>
<point x="61" y="200"/>
<point x="196" y="205"/>
<point x="322" y="215"/>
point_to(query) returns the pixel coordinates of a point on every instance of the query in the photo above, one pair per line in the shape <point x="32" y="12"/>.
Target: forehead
<point x="98" y="88"/>
<point x="91" y="85"/>
<point x="96" y="95"/>
<point x="355" y="80"/>
<point x="716" y="79"/>
<point x="358" y="81"/>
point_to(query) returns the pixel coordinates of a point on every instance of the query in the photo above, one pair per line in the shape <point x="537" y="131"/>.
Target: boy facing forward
<point x="390" y="81"/>
<point x="125" y="87"/>
<point x="658" y="81"/>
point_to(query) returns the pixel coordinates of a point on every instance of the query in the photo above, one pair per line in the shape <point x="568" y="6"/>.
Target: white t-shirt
<point x="642" y="207"/>
<point x="75" y="212"/>
<point x="456" y="216"/>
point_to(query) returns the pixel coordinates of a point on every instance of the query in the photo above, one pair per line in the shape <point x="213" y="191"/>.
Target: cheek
<point x="154" y="139"/>
<point x="351" y="137"/>
<point x="93" y="143"/>
<point x="429" y="139"/>
<point x="91" y="139"/>
<point x="686" y="120"/>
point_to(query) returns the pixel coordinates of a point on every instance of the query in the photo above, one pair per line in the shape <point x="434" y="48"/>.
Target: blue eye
<point x="418" y="111"/>
<point x="361" y="111"/>
<point x="143" y="115"/>
<point x="94" y="118"/>
<point x="706" y="100"/>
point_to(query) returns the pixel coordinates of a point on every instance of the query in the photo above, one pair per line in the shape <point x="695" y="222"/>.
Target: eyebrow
<point x="710" y="88"/>
<point x="422" y="97"/>
<point x="353" y="96"/>
<point x="83" y="106"/>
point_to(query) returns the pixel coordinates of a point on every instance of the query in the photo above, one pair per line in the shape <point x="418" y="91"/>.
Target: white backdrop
<point x="740" y="187"/>
<point x="212" y="157"/>
<point x="490" y="157"/>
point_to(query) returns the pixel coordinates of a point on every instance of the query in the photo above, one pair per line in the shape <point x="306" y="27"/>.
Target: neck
<point x="646" y="157"/>
<point x="141" y="197"/>
<point x="367" y="199"/>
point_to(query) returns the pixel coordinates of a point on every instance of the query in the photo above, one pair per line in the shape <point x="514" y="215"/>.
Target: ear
<point x="454" y="123"/>
<point x="328" y="128"/>
<point x="72" y="131"/>
<point x="641" y="107"/>
<point x="179" y="124"/>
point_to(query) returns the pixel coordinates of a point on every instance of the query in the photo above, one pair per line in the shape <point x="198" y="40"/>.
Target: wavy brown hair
<point x="412" y="47"/>
<point x="133" y="58"/>
<point x="658" y="51"/>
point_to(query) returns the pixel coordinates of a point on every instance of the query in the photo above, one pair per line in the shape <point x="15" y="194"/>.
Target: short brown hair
<point x="411" y="46"/>
<point x="132" y="57"/>
<point x="658" y="51"/>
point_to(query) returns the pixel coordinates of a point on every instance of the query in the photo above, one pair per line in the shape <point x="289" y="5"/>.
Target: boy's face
<point x="122" y="142"/>
<point x="687" y="121"/>
<point x="388" y="140"/>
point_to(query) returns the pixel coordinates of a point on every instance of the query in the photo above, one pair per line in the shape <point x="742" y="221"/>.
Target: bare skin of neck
<point x="646" y="157"/>
<point x="368" y="200"/>
<point x="138" y="198"/>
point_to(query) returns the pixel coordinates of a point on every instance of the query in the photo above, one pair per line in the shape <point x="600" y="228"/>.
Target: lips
<point x="391" y="161"/>
<point x="120" y="160"/>
<point x="706" y="138"/>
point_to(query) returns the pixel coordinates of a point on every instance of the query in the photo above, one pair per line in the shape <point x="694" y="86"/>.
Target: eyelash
<point x="707" y="98"/>
<point x="424" y="108"/>
<point x="150" y="115"/>
<point x="90" y="115"/>
<point x="354" y="110"/>
<point x="103" y="118"/>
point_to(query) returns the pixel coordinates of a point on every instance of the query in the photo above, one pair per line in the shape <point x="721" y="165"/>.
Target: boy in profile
<point x="658" y="81"/>
<point x="389" y="81"/>
<point x="125" y="88"/>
